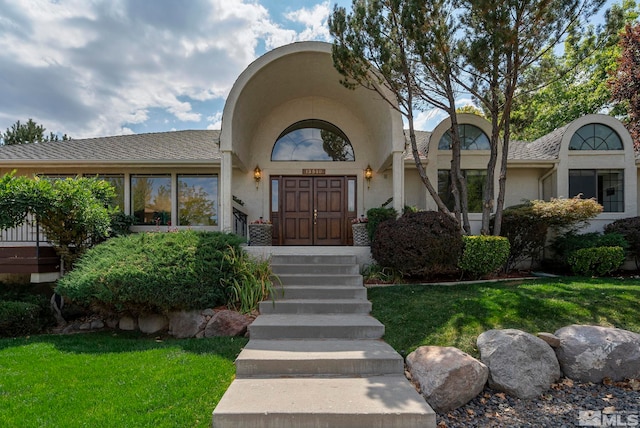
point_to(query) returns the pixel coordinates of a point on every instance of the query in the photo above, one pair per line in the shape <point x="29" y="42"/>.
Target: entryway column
<point x="398" y="181"/>
<point x="225" y="197"/>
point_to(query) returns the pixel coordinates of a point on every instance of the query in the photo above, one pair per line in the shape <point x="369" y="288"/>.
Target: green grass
<point x="417" y="315"/>
<point x="109" y="380"/>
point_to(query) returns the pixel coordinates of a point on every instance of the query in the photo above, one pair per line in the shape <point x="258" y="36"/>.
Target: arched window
<point x="471" y="138"/>
<point x="595" y="136"/>
<point x="312" y="140"/>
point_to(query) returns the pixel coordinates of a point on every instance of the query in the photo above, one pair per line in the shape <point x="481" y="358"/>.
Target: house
<point x="299" y="149"/>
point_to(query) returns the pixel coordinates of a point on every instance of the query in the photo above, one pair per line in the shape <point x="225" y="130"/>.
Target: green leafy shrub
<point x="484" y="255"/>
<point x="629" y="228"/>
<point x="250" y="282"/>
<point x="421" y="244"/>
<point x="377" y="216"/>
<point x="526" y="232"/>
<point x="154" y="272"/>
<point x="569" y="243"/>
<point x="597" y="261"/>
<point x="121" y="224"/>
<point x="566" y="214"/>
<point x="20" y="318"/>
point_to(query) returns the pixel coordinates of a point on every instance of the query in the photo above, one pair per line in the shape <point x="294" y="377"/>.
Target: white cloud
<point x="215" y="121"/>
<point x="314" y="20"/>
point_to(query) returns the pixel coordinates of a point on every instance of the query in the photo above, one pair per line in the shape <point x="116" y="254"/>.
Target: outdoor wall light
<point x="368" y="174"/>
<point x="257" y="175"/>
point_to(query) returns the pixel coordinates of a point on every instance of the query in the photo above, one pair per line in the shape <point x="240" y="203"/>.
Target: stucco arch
<point x="296" y="71"/>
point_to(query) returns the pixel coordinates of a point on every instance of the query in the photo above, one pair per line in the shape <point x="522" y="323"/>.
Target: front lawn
<point x="416" y="315"/>
<point x="113" y="380"/>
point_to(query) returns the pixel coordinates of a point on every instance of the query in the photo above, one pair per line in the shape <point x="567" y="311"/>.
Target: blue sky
<point x="113" y="67"/>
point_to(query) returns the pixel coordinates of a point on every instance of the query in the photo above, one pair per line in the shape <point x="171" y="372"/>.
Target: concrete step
<point x="316" y="306"/>
<point x="313" y="259"/>
<point x="319" y="279"/>
<point x="336" y="326"/>
<point x="319" y="292"/>
<point x="268" y="358"/>
<point x="364" y="402"/>
<point x="312" y="269"/>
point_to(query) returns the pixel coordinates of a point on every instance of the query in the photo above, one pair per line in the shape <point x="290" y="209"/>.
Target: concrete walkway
<point x="316" y="358"/>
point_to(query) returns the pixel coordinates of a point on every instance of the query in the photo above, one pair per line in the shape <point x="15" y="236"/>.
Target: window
<point x="151" y="199"/>
<point x="197" y="200"/>
<point x="605" y="185"/>
<point x="475" y="179"/>
<point x="312" y="140"/>
<point x="117" y="181"/>
<point x="471" y="138"/>
<point x="595" y="136"/>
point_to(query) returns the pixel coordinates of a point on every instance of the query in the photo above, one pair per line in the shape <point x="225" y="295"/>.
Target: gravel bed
<point x="559" y="407"/>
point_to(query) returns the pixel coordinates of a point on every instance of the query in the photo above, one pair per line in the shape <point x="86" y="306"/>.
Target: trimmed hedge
<point x="629" y="228"/>
<point x="20" y="318"/>
<point x="154" y="272"/>
<point x="564" y="246"/>
<point x="484" y="255"/>
<point x="422" y="244"/>
<point x="596" y="261"/>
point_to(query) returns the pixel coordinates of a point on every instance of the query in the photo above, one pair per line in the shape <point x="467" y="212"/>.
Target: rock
<point x="85" y="326"/>
<point x="112" y="322"/>
<point x="448" y="378"/>
<point x="152" y="323"/>
<point x="183" y="324"/>
<point x="520" y="364"/>
<point x="591" y="353"/>
<point x="227" y="323"/>
<point x="127" y="323"/>
<point x="97" y="324"/>
<point x="208" y="312"/>
<point x="551" y="339"/>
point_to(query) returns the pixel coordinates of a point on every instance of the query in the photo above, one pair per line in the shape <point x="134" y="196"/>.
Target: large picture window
<point x="605" y="185"/>
<point x="197" y="200"/>
<point x="151" y="199"/>
<point x="471" y="138"/>
<point x="475" y="179"/>
<point x="312" y="140"/>
<point x="117" y="181"/>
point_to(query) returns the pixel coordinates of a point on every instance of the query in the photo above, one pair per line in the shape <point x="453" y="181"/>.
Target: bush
<point x="596" y="261"/>
<point x="377" y="216"/>
<point x="566" y="214"/>
<point x="484" y="255"/>
<point x="526" y="232"/>
<point x="421" y="244"/>
<point x="153" y="272"/>
<point x="569" y="243"/>
<point x="629" y="228"/>
<point x="249" y="283"/>
<point x="20" y="318"/>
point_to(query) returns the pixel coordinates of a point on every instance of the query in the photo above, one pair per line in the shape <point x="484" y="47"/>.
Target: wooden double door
<point x="312" y="210"/>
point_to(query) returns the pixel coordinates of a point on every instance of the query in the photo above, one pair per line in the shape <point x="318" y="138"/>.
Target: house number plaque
<point x="314" y="171"/>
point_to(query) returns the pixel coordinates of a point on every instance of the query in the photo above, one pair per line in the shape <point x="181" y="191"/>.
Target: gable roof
<point x="171" y="147"/>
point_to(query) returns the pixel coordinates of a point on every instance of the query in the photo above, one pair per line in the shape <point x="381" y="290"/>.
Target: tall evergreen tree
<point x="30" y="132"/>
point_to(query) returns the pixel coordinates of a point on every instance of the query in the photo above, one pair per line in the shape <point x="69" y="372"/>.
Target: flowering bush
<point x="261" y="221"/>
<point x="361" y="219"/>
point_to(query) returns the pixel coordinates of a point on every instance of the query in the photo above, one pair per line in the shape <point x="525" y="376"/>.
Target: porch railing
<point x="239" y="222"/>
<point x="29" y="232"/>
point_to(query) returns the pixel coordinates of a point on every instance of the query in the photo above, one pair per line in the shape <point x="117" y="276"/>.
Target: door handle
<point x="315" y="216"/>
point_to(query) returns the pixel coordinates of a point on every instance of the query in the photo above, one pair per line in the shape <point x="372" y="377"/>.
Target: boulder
<point x="227" y="323"/>
<point x="448" y="378"/>
<point x="183" y="324"/>
<point x="520" y="364"/>
<point x="551" y="339"/>
<point x="152" y="323"/>
<point x="127" y="323"/>
<point x="590" y="353"/>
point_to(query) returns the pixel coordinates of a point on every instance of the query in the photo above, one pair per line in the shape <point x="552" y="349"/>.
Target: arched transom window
<point x="595" y="136"/>
<point x="312" y="140"/>
<point x="471" y="138"/>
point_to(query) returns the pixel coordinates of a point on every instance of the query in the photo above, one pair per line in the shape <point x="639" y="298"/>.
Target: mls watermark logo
<point x="597" y="418"/>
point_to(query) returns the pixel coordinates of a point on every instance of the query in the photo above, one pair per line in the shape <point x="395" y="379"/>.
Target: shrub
<point x="20" y="318"/>
<point x="421" y="244"/>
<point x="250" y="281"/>
<point x="569" y="243"/>
<point x="596" y="261"/>
<point x="629" y="228"/>
<point x="484" y="255"/>
<point x="526" y="232"/>
<point x="376" y="216"/>
<point x="153" y="272"/>
<point x="566" y="214"/>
